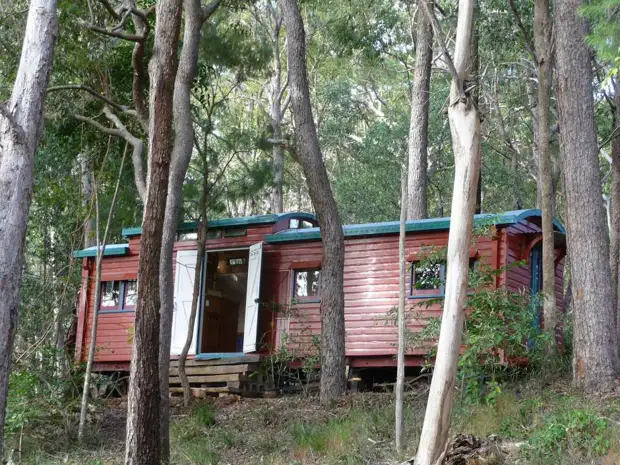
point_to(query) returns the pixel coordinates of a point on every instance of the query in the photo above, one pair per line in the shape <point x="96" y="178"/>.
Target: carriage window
<point x="306" y="283"/>
<point x="295" y="223"/>
<point x="131" y="294"/>
<point x="119" y="296"/>
<point x="110" y="295"/>
<point x="428" y="279"/>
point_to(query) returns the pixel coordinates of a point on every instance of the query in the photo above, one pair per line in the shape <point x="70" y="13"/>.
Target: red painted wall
<point x="371" y="289"/>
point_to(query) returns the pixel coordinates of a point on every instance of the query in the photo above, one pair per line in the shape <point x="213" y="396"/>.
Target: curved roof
<point x="232" y="222"/>
<point x="392" y="227"/>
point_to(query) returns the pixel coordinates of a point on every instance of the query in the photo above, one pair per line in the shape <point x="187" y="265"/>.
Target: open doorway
<point x="224" y="302"/>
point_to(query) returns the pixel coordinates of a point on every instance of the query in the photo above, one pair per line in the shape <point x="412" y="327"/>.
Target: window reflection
<point x="307" y="283"/>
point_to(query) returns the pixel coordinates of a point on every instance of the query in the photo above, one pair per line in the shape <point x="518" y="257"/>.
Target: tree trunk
<point x="20" y="131"/>
<point x="595" y="353"/>
<point x="87" y="197"/>
<point x="202" y="239"/>
<point x="181" y="157"/>
<point x="542" y="44"/>
<point x="143" y="443"/>
<point x="475" y="93"/>
<point x="417" y="203"/>
<point x="615" y="207"/>
<point x="275" y="115"/>
<point x="465" y="130"/>
<point x="93" y="332"/>
<point x="402" y="296"/>
<point x="333" y="382"/>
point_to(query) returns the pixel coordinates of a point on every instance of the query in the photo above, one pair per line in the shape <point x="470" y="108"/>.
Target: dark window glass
<point x="110" y="294"/>
<point x="131" y="293"/>
<point x="307" y="283"/>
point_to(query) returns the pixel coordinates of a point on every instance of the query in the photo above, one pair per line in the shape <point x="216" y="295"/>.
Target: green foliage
<point x="500" y="329"/>
<point x="204" y="414"/>
<point x="580" y="432"/>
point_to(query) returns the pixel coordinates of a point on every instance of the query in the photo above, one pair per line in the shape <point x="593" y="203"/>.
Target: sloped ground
<point x="525" y="423"/>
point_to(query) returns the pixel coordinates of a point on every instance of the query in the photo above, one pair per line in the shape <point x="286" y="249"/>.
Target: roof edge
<point x="271" y="218"/>
<point x="110" y="250"/>
<point x="393" y="227"/>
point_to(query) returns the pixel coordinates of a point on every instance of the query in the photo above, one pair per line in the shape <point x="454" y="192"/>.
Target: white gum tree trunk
<point x="465" y="131"/>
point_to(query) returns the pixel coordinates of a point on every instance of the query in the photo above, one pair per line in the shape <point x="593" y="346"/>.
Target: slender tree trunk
<point x="87" y="197"/>
<point x="275" y="115"/>
<point x="542" y="43"/>
<point x="181" y="157"/>
<point x="417" y="203"/>
<point x="595" y="353"/>
<point x="615" y="206"/>
<point x="20" y="131"/>
<point x="475" y="93"/>
<point x="465" y="130"/>
<point x="93" y="332"/>
<point x="402" y="290"/>
<point x="333" y="382"/>
<point x="202" y="239"/>
<point x="143" y="443"/>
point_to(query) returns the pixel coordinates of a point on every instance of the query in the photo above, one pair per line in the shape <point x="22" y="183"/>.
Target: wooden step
<point x="251" y="358"/>
<point x="215" y="370"/>
<point x="201" y="391"/>
<point x="209" y="379"/>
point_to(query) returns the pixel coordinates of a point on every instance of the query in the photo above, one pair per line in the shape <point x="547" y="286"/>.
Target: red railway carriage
<point x="258" y="268"/>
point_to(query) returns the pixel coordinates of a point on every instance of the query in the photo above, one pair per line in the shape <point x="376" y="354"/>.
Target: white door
<point x="251" y="299"/>
<point x="183" y="291"/>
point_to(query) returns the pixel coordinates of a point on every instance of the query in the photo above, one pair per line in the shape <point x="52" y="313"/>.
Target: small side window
<point x="110" y="295"/>
<point x="131" y="294"/>
<point x="307" y="284"/>
<point x="119" y="296"/>
<point x="427" y="280"/>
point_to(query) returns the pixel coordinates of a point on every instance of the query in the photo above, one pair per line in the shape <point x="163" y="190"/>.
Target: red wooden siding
<point x="370" y="286"/>
<point x="520" y="238"/>
<point x="114" y="331"/>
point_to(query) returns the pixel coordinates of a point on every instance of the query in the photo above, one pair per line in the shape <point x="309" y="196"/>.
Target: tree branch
<point x="136" y="156"/>
<point x="91" y="91"/>
<point x="440" y="38"/>
<point x="114" y="33"/>
<point x="209" y="9"/>
<point x="529" y="44"/>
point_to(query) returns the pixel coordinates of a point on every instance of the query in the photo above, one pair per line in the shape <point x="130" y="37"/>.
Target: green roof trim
<point x="231" y="222"/>
<point x="392" y="227"/>
<point x="110" y="250"/>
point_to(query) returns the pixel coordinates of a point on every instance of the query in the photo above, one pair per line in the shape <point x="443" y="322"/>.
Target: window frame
<point x="309" y="298"/>
<point x="415" y="293"/>
<point x="122" y="307"/>
<point x="436" y="293"/>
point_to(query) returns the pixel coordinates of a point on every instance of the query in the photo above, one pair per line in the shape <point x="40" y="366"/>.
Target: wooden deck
<point x="219" y="376"/>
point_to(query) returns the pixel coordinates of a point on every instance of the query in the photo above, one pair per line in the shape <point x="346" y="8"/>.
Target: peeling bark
<point x="465" y="130"/>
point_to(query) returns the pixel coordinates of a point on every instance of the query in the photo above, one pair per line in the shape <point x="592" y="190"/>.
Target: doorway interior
<point x="222" y="322"/>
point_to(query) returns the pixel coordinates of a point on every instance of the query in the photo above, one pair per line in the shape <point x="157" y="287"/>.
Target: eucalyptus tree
<point x="595" y="350"/>
<point x="20" y="132"/>
<point x="465" y="130"/>
<point x="333" y="381"/>
<point x="143" y="444"/>
<point x="417" y="205"/>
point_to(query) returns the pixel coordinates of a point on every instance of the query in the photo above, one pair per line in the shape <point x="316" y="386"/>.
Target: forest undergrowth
<point x="538" y="420"/>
